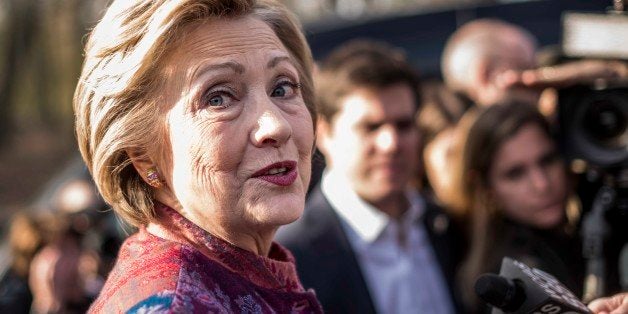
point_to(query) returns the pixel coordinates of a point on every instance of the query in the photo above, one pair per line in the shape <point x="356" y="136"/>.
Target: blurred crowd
<point x="487" y="156"/>
<point x="60" y="255"/>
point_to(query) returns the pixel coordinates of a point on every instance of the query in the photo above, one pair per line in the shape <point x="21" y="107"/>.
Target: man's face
<point x="373" y="141"/>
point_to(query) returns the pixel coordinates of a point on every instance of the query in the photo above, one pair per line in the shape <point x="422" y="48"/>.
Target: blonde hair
<point x="113" y="103"/>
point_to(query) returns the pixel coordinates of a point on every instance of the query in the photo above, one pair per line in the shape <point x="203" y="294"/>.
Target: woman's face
<point x="239" y="137"/>
<point x="528" y="179"/>
<point x="438" y="155"/>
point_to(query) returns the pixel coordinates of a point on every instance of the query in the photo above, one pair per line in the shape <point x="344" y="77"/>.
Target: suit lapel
<point x="443" y="239"/>
<point x="336" y="252"/>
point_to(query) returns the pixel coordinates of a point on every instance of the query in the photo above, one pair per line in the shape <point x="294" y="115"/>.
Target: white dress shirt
<point x="400" y="279"/>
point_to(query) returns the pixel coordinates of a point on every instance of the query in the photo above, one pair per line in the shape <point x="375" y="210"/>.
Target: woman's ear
<point x="144" y="165"/>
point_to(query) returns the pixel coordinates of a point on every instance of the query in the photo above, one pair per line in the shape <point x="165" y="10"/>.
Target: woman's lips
<point x="557" y="205"/>
<point x="282" y="173"/>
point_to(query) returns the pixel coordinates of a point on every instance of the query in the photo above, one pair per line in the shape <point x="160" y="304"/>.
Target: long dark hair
<point x="488" y="132"/>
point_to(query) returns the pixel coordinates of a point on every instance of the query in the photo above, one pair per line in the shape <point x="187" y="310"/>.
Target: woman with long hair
<point x="514" y="190"/>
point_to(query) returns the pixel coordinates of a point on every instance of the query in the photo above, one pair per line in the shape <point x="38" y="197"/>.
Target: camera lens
<point x="594" y="124"/>
<point x="605" y="122"/>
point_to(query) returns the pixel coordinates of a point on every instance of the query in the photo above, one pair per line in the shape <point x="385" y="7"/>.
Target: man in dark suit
<point x="368" y="242"/>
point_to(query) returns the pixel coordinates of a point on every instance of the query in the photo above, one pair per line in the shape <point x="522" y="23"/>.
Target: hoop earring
<point x="152" y="176"/>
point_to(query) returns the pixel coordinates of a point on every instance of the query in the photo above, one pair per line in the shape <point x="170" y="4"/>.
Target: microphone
<point x="522" y="289"/>
<point x="500" y="292"/>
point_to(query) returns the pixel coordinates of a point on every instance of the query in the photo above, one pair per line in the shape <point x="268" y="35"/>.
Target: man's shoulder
<point x="437" y="220"/>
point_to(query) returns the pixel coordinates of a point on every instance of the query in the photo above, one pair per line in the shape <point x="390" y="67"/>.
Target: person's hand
<point x="578" y="72"/>
<point x="617" y="304"/>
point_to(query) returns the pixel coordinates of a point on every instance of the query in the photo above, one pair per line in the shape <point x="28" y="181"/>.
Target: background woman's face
<point x="239" y="136"/>
<point x="528" y="178"/>
<point x="438" y="156"/>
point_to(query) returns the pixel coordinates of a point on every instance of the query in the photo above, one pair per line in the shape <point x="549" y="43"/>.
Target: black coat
<point x="326" y="262"/>
<point x="15" y="295"/>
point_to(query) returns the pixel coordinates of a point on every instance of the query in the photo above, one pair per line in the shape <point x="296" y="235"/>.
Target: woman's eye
<point x="514" y="174"/>
<point x="285" y="89"/>
<point x="215" y="101"/>
<point x="218" y="99"/>
<point x="280" y="91"/>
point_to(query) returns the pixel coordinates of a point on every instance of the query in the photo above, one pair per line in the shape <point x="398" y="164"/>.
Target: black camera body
<point x="594" y="125"/>
<point x="593" y="119"/>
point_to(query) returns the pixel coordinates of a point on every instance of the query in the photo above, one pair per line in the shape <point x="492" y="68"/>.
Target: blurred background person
<point x="101" y="233"/>
<point x="368" y="242"/>
<point x="60" y="270"/>
<point x="24" y="238"/>
<point x="514" y="189"/>
<point x="79" y="242"/>
<point x="475" y="61"/>
<point x="61" y="243"/>
<point x="441" y="111"/>
<point x="586" y="101"/>
<point x="196" y="120"/>
<point x="479" y="57"/>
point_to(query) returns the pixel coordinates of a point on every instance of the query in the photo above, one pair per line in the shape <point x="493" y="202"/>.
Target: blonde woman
<point x="196" y="120"/>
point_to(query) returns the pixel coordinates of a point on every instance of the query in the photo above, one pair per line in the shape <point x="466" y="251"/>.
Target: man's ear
<point x="323" y="132"/>
<point x="483" y="74"/>
<point x="486" y="78"/>
<point x="141" y="162"/>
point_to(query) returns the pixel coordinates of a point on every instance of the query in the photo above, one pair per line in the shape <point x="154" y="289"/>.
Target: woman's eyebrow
<point x="237" y="67"/>
<point x="234" y="66"/>
<point x="276" y="60"/>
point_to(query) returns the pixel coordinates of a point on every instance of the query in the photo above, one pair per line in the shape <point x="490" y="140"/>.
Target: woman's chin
<point x="279" y="210"/>
<point x="551" y="218"/>
<point x="272" y="205"/>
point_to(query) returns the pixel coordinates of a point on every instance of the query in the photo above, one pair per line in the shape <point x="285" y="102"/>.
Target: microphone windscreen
<point x="495" y="290"/>
<point x="522" y="289"/>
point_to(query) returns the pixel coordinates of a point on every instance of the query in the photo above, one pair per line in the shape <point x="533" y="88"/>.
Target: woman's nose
<point x="540" y="180"/>
<point x="271" y="127"/>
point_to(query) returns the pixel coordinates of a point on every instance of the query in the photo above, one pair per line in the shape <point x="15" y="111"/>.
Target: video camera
<point x="593" y="127"/>
<point x="593" y="118"/>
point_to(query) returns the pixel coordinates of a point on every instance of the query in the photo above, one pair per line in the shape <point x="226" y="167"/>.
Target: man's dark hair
<point x="361" y="64"/>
